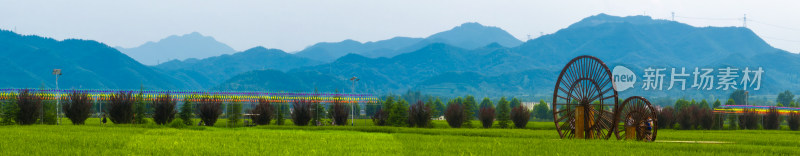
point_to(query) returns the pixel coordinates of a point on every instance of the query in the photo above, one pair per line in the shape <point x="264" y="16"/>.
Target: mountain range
<point x="28" y="62"/>
<point x="468" y="59"/>
<point x="211" y="71"/>
<point x="192" y="45"/>
<point x="531" y="68"/>
<point x="467" y="36"/>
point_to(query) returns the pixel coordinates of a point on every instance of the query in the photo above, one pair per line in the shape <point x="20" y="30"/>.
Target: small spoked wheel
<point x="637" y="120"/>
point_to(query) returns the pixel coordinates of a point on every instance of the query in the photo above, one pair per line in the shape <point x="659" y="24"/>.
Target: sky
<point x="296" y="24"/>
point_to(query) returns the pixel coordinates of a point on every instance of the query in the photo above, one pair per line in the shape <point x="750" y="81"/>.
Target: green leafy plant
<point x="262" y="112"/>
<point x="78" y="107"/>
<point x="279" y="114"/>
<point x="380" y="117"/>
<point x="520" y="116"/>
<point x="209" y="110"/>
<point x="164" y="109"/>
<point x="793" y="121"/>
<point x="9" y="109"/>
<point x="339" y="112"/>
<point x="419" y="115"/>
<point x="503" y="113"/>
<point x="398" y="116"/>
<point x="234" y="113"/>
<point x="486" y="115"/>
<point x="748" y="119"/>
<point x="187" y="111"/>
<point x="772" y="119"/>
<point x="177" y="123"/>
<point x="301" y="112"/>
<point x="140" y="109"/>
<point x="454" y="114"/>
<point x="666" y="117"/>
<point x="30" y="107"/>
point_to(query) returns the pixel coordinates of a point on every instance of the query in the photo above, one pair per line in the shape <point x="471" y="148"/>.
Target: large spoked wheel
<point x="637" y="120"/>
<point x="583" y="98"/>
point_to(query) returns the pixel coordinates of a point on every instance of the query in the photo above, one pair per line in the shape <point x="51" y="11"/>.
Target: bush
<point x="541" y="111"/>
<point x="339" y="112"/>
<point x="177" y="123"/>
<point x="164" y="109"/>
<point x="209" y="110"/>
<point x="503" y="112"/>
<point x="78" y="107"/>
<point x="380" y="117"/>
<point x="454" y="114"/>
<point x="9" y="109"/>
<point x="718" y="121"/>
<point x="120" y="107"/>
<point x="398" y="114"/>
<point x="733" y="121"/>
<point x="686" y="118"/>
<point x="419" y="115"/>
<point x="186" y="111"/>
<point x="301" y="113"/>
<point x="30" y="107"/>
<point x="470" y="110"/>
<point x="794" y="121"/>
<point x="262" y="112"/>
<point x="772" y="119"/>
<point x="666" y="117"/>
<point x="748" y="119"/>
<point x="319" y="113"/>
<point x="705" y="117"/>
<point x="520" y="116"/>
<point x="234" y="113"/>
<point x="140" y="109"/>
<point x="49" y="111"/>
<point x="486" y="115"/>
<point x="279" y="119"/>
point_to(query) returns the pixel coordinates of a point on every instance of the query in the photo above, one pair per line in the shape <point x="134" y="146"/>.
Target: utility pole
<point x="673" y="16"/>
<point x="746" y="97"/>
<point x="352" y="108"/>
<point x="744" y="21"/>
<point x="57" y="72"/>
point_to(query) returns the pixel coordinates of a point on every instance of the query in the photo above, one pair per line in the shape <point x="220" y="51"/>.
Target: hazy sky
<point x="294" y="24"/>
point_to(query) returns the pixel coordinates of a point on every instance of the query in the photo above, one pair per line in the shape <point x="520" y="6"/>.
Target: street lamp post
<point x="352" y="108"/>
<point x="57" y="73"/>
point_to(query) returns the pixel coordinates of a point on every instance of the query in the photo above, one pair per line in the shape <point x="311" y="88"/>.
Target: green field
<point x="539" y="139"/>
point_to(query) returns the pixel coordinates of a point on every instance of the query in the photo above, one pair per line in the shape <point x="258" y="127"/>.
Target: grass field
<point x="539" y="139"/>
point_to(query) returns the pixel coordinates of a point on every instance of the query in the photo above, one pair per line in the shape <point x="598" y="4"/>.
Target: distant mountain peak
<point x="473" y="35"/>
<point x="603" y="18"/>
<point x="257" y="48"/>
<point x="194" y="33"/>
<point x="191" y="45"/>
<point x="471" y="25"/>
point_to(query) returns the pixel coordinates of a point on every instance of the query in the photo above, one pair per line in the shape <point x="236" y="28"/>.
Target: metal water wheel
<point x="583" y="100"/>
<point x="637" y="120"/>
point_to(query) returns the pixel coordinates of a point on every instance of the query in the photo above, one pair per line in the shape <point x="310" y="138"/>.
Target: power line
<point x="778" y="39"/>
<point x="776" y="26"/>
<point x="710" y="18"/>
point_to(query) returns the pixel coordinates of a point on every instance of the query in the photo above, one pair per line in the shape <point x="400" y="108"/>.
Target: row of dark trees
<point x="122" y="107"/>
<point x="458" y="112"/>
<point x="27" y="107"/>
<point x="691" y="115"/>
